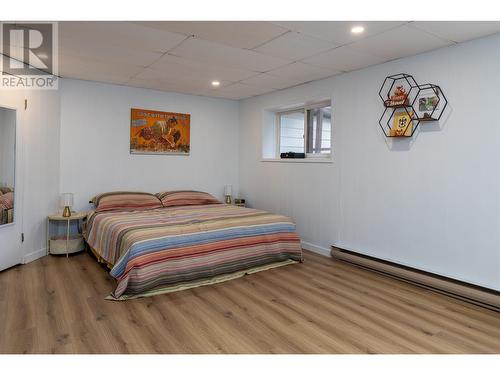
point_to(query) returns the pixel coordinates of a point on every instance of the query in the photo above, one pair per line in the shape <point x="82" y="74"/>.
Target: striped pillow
<point x="185" y="198"/>
<point x="125" y="201"/>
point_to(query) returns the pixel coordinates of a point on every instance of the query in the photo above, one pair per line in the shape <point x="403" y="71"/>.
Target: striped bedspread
<point x="161" y="250"/>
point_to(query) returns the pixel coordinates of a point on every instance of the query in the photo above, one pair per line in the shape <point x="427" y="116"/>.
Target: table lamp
<point x="67" y="202"/>
<point x="228" y="190"/>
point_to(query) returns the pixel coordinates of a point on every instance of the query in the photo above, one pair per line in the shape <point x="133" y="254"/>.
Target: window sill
<point x="306" y="160"/>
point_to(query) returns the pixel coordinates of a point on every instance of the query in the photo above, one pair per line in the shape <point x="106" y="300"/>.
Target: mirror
<point x="7" y="164"/>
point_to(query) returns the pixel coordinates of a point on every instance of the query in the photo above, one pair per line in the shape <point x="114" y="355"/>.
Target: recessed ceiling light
<point x="215" y="83"/>
<point x="357" y="29"/>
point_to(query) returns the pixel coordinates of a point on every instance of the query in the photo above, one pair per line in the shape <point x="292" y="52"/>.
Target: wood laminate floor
<point x="56" y="305"/>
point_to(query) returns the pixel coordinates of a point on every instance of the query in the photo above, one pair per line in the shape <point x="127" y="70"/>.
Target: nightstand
<point x="72" y="239"/>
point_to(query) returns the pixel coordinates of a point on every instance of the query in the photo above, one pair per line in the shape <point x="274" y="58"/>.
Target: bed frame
<point x="98" y="257"/>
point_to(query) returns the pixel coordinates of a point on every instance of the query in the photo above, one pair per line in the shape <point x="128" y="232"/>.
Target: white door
<point x="10" y="178"/>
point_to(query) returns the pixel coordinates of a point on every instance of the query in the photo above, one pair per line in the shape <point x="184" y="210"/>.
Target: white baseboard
<point x="34" y="255"/>
<point x="316" y="249"/>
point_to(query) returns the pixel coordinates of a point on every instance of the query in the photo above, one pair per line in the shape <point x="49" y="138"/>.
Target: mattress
<point x="168" y="249"/>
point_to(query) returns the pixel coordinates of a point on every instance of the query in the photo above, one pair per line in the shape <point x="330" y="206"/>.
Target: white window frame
<point x="304" y="109"/>
<point x="278" y="127"/>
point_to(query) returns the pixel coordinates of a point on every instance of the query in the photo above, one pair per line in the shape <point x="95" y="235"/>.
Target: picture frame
<point x="157" y="132"/>
<point x="427" y="104"/>
<point x="402" y="125"/>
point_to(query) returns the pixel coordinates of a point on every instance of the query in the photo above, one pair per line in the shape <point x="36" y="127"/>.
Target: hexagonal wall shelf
<point x="398" y="122"/>
<point x="403" y="84"/>
<point x="407" y="104"/>
<point x="429" y="102"/>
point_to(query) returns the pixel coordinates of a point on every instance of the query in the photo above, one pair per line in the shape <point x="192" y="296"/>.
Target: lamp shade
<point x="228" y="190"/>
<point x="67" y="199"/>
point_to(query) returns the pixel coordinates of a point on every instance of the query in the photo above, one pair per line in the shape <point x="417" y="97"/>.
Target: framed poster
<point x="155" y="132"/>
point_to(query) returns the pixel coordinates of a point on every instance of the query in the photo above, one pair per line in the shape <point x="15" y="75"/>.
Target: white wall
<point x="431" y="202"/>
<point x="95" y="142"/>
<point x="7" y="147"/>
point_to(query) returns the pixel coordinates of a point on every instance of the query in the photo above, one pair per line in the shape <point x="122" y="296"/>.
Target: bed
<point x="164" y="249"/>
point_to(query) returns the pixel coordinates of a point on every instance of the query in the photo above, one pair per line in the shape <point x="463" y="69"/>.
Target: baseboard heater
<point x="484" y="297"/>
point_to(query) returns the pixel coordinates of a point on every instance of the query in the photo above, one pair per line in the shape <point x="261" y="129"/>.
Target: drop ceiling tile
<point x="183" y="88"/>
<point x="215" y="53"/>
<point x="147" y="84"/>
<point x="69" y="66"/>
<point x="110" y="53"/>
<point x="402" y="42"/>
<point x="343" y="58"/>
<point x="458" y="31"/>
<point x="245" y="34"/>
<point x="238" y="91"/>
<point x="294" y="46"/>
<point x="273" y="82"/>
<point x="120" y="34"/>
<point x="339" y="32"/>
<point x="154" y="79"/>
<point x="178" y="79"/>
<point x="102" y="78"/>
<point x="181" y="66"/>
<point x="302" y="72"/>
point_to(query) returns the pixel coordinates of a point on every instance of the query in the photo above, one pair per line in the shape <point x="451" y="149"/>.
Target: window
<point x="292" y="131"/>
<point x="319" y="130"/>
<point x="307" y="129"/>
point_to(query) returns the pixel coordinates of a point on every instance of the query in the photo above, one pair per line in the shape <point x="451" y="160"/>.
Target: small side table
<point x="72" y="242"/>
